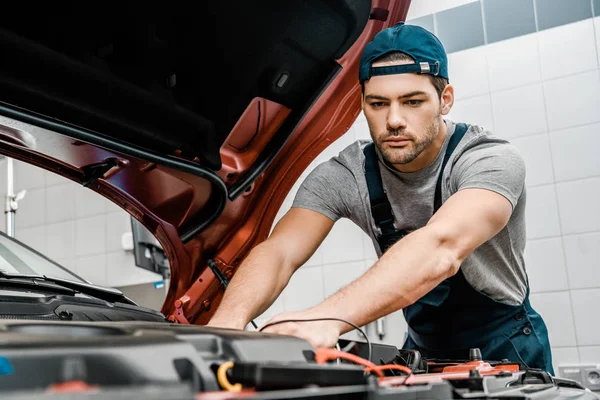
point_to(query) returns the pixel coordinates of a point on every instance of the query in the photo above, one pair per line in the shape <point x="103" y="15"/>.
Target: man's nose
<point x="395" y="119"/>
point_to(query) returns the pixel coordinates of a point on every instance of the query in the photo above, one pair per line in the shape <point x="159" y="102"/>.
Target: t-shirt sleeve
<point x="324" y="189"/>
<point x="496" y="166"/>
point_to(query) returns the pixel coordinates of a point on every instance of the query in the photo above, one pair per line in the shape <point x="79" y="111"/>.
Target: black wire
<point x="222" y="278"/>
<point x="326" y="319"/>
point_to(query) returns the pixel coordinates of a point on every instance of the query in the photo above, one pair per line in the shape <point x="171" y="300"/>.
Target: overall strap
<point x="381" y="209"/>
<point x="459" y="131"/>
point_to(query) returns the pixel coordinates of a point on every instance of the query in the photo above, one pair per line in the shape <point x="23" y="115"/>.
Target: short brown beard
<point x="392" y="157"/>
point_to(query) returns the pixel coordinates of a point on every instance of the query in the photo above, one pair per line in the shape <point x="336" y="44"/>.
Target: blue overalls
<point x="454" y="317"/>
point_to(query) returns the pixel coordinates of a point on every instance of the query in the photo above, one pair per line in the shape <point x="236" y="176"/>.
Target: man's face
<point x="403" y="112"/>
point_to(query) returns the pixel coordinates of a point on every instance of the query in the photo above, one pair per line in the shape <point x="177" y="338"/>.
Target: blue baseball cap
<point x="423" y="46"/>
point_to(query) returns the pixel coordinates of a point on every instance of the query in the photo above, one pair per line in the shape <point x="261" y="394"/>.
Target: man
<point x="444" y="204"/>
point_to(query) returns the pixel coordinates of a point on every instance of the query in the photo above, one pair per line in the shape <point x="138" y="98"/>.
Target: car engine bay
<point x="152" y="360"/>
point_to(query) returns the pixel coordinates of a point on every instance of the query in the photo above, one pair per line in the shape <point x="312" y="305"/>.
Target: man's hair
<point x="438" y="82"/>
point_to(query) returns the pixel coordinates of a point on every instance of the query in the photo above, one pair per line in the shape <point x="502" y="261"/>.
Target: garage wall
<point x="529" y="71"/>
<point x="74" y="226"/>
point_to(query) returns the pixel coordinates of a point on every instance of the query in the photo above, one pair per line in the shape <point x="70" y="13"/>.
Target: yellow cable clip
<point x="222" y="378"/>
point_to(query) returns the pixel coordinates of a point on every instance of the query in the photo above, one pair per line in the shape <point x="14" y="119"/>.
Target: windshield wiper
<point x="103" y="293"/>
<point x="29" y="283"/>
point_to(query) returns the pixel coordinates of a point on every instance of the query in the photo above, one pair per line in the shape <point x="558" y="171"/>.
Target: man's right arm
<point x="267" y="269"/>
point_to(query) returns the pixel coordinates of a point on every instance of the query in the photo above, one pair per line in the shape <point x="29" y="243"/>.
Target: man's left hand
<point x="320" y="334"/>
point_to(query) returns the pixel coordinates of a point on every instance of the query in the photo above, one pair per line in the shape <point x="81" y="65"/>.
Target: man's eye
<point x="414" y="102"/>
<point x="378" y="104"/>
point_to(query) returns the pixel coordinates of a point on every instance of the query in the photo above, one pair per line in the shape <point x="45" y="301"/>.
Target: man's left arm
<point x="487" y="189"/>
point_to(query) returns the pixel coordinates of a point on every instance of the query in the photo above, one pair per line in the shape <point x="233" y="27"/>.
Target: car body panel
<point x="175" y="193"/>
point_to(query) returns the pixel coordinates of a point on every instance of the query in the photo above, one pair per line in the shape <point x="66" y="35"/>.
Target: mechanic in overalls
<point x="444" y="204"/>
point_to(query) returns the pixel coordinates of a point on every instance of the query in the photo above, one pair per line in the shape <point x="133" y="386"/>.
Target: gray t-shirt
<point x="337" y="189"/>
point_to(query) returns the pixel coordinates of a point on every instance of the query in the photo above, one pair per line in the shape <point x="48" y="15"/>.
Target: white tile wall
<point x="3" y="163"/>
<point x="419" y="8"/>
<point x="369" y="248"/>
<point x="475" y="110"/>
<point x="121" y="270"/>
<point x="26" y="176"/>
<point x="61" y="240"/>
<point x="513" y="62"/>
<point x="564" y="356"/>
<point x="116" y="225"/>
<point x="361" y="128"/>
<point x="545" y="263"/>
<point x="68" y="263"/>
<point x="370" y="262"/>
<point x="560" y="57"/>
<point x="395" y="329"/>
<point x="88" y="202"/>
<point x="34" y="237"/>
<point x="585" y="312"/>
<point x="589" y="354"/>
<point x="60" y="202"/>
<point x="304" y="290"/>
<point x="542" y="212"/>
<point x="53" y="179"/>
<point x="583" y="260"/>
<point x="575" y="152"/>
<point x="344" y="243"/>
<point x="90" y="236"/>
<point x="31" y="209"/>
<point x="92" y="268"/>
<point x="336" y="276"/>
<point x="519" y="112"/>
<point x="340" y="144"/>
<point x="315" y="259"/>
<point x="467" y="70"/>
<point x="573" y="101"/>
<point x="597" y="30"/>
<point x="538" y="162"/>
<point x="579" y="203"/>
<point x="555" y="309"/>
<point x="2" y="221"/>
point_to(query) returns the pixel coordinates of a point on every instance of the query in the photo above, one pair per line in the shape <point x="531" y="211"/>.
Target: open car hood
<point x="196" y="121"/>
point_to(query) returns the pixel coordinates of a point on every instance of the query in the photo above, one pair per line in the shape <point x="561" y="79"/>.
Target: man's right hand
<point x="267" y="269"/>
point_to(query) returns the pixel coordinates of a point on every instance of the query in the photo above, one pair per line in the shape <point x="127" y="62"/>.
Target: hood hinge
<point x="92" y="172"/>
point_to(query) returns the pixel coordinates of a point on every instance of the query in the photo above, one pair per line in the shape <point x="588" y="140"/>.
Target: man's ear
<point x="447" y="99"/>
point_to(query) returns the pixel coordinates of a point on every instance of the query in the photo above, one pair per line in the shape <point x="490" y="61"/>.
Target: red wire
<point x="324" y="355"/>
<point x="388" y="367"/>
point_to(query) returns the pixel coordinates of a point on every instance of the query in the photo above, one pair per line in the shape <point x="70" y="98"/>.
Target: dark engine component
<point x="146" y="360"/>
